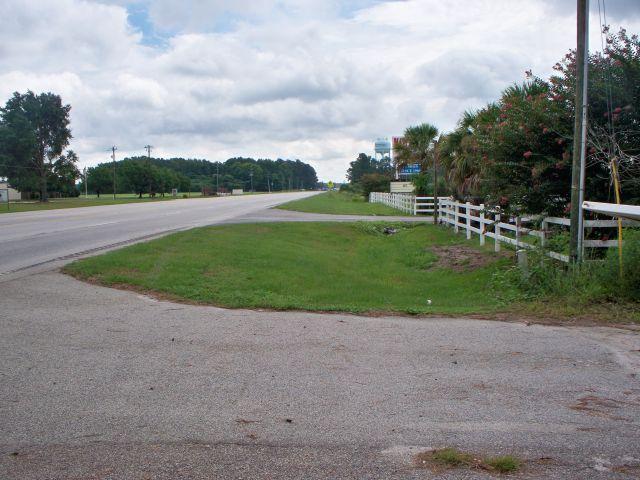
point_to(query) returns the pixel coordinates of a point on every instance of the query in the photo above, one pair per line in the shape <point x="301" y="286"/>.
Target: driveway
<point x="97" y="383"/>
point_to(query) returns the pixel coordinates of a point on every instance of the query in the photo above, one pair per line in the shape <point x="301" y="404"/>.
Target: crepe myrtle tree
<point x="35" y="131"/>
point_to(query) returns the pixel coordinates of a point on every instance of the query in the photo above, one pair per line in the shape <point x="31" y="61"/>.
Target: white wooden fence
<point x="404" y="201"/>
<point x="493" y="224"/>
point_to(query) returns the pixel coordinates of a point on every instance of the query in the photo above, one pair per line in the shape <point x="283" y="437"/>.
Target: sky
<point x="316" y="80"/>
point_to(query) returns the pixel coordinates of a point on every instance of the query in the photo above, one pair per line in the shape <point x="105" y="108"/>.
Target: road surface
<point x="35" y="238"/>
<point x="97" y="383"/>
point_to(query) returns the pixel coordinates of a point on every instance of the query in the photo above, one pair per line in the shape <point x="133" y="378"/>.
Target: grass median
<point x="340" y="203"/>
<point x="351" y="267"/>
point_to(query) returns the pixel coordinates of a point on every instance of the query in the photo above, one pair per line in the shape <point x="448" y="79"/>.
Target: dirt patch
<point x="460" y="258"/>
<point x="599" y="407"/>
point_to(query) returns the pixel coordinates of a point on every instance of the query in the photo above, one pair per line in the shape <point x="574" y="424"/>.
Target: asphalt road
<point x="34" y="238"/>
<point x="97" y="383"/>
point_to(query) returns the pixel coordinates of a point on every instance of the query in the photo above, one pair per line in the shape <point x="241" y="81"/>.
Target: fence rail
<point x="487" y="223"/>
<point x="404" y="201"/>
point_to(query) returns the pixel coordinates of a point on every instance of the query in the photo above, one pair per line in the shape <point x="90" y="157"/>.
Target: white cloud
<point x="315" y="80"/>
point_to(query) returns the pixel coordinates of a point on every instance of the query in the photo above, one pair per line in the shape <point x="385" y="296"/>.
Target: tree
<point x="36" y="131"/>
<point x="365" y="164"/>
<point x="100" y="179"/>
<point x="416" y="146"/>
<point x="139" y="176"/>
<point x="374" y="182"/>
<point x="64" y="174"/>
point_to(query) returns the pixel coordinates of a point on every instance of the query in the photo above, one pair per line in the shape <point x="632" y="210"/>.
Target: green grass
<point x="307" y="266"/>
<point x="505" y="464"/>
<point x="452" y="457"/>
<point x="340" y="203"/>
<point x="91" y="201"/>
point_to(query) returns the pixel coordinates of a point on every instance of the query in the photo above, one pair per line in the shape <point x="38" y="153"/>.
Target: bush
<point x="374" y="182"/>
<point x="354" y="188"/>
<point x="594" y="281"/>
<point x="625" y="284"/>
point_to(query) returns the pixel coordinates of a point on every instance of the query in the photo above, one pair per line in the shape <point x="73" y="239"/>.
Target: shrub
<point x="374" y="182"/>
<point x="593" y="281"/>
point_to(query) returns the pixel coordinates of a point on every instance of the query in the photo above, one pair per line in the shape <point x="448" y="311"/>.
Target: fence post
<point x="468" y="212"/>
<point x="518" y="233"/>
<point x="496" y="232"/>
<point x="457" y="215"/>
<point x="482" y="224"/>
<point x="543" y="236"/>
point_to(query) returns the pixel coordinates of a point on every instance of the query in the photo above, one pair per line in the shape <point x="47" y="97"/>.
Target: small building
<point x="7" y="191"/>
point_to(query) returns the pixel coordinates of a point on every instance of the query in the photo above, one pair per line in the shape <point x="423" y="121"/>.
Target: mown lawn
<point x="92" y="201"/>
<point x="351" y="267"/>
<point x="340" y="203"/>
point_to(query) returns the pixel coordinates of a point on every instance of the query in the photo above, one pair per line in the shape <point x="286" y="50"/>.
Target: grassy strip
<point x="92" y="201"/>
<point x="340" y="203"/>
<point x="349" y="267"/>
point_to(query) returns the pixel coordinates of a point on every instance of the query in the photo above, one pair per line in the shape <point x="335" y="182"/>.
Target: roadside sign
<point x="411" y="169"/>
<point x="401" y="187"/>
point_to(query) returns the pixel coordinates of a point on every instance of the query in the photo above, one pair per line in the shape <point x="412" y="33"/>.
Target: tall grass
<point x="593" y="281"/>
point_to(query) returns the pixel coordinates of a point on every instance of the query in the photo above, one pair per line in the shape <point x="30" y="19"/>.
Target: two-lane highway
<point x="35" y="238"/>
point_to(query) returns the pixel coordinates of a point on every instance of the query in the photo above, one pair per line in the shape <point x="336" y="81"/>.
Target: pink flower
<point x="527" y="154"/>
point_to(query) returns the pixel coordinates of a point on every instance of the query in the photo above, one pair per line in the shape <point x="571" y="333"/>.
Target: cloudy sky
<point x="317" y="80"/>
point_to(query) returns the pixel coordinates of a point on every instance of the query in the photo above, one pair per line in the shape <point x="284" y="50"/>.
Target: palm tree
<point x="416" y="146"/>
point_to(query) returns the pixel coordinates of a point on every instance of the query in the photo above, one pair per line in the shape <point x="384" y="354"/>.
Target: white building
<point x="12" y="193"/>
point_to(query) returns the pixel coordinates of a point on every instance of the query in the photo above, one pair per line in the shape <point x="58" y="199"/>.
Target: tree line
<point x="143" y="175"/>
<point x="34" y="133"/>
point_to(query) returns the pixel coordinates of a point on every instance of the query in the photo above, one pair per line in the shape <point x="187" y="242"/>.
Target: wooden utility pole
<point x="436" y="152"/>
<point x="579" y="133"/>
<point x="113" y="157"/>
<point x="148" y="149"/>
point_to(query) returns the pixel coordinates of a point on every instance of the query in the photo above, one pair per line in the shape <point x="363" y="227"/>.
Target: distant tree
<point x="374" y="182"/>
<point x="365" y="164"/>
<point x="34" y="130"/>
<point x="100" y="179"/>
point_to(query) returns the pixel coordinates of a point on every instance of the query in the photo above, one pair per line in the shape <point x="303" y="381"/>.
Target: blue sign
<point x="410" y="169"/>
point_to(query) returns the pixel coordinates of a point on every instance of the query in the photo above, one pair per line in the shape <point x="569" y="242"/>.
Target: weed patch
<point x="452" y="458"/>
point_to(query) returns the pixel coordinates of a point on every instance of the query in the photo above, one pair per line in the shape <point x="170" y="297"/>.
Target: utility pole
<point x="84" y="174"/>
<point x="269" y="182"/>
<point x="576" y="247"/>
<point x="435" y="183"/>
<point x="113" y="157"/>
<point x="251" y="177"/>
<point x="148" y="149"/>
<point x="217" y="177"/>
